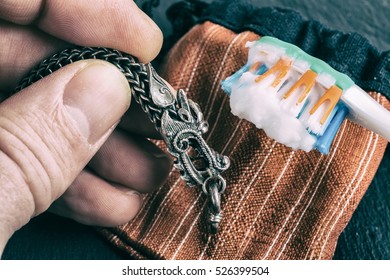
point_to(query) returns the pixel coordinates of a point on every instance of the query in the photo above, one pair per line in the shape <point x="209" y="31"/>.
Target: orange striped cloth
<point x="279" y="203"/>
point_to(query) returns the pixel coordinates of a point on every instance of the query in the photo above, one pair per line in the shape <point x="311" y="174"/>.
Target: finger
<point x="137" y="122"/>
<point x="21" y="49"/>
<point x="50" y="130"/>
<point x="93" y="201"/>
<point x="120" y="24"/>
<point x="131" y="161"/>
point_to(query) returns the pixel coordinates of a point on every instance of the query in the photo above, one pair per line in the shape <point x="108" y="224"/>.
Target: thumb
<point x="48" y="133"/>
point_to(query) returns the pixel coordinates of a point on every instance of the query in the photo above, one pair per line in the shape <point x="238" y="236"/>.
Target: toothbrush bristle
<point x="305" y="87"/>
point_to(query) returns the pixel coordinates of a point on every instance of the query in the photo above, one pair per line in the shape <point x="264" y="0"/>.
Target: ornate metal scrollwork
<point x="182" y="126"/>
<point x="183" y="134"/>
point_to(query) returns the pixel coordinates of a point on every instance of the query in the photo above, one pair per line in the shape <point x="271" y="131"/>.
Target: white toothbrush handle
<point x="365" y="111"/>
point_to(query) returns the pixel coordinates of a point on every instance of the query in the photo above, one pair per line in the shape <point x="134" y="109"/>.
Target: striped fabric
<point x="279" y="203"/>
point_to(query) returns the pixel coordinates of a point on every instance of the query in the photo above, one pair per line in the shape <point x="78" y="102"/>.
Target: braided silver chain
<point x="136" y="73"/>
<point x="177" y="118"/>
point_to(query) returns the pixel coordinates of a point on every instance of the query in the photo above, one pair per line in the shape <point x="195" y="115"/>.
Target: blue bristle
<point x="303" y="108"/>
<point x="228" y="83"/>
<point x="262" y="69"/>
<point x="325" y="141"/>
<point x="330" y="118"/>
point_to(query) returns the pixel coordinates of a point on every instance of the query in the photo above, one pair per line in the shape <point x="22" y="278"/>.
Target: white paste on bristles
<point x="261" y="104"/>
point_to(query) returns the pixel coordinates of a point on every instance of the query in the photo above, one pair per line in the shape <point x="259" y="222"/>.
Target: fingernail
<point x="160" y="154"/>
<point x="96" y="98"/>
<point x="135" y="193"/>
<point x="137" y="199"/>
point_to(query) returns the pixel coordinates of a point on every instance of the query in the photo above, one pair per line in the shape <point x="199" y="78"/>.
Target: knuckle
<point x="19" y="151"/>
<point x="38" y="155"/>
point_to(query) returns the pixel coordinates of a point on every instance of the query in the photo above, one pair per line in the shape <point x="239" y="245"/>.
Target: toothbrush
<point x="297" y="99"/>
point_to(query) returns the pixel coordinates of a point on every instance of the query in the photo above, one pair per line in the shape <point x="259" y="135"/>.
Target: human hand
<point x="52" y="129"/>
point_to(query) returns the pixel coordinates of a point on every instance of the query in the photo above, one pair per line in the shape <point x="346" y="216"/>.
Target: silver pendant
<point x="182" y="132"/>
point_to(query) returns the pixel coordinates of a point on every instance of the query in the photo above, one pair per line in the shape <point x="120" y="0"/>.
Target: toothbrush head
<point x="298" y="100"/>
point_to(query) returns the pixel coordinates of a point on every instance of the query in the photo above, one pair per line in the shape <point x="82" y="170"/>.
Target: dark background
<point x="370" y="18"/>
<point x="367" y="236"/>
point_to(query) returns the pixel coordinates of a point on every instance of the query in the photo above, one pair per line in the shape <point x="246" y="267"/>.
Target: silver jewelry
<point x="178" y="119"/>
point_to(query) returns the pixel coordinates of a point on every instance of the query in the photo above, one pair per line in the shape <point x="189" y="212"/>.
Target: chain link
<point x="135" y="73"/>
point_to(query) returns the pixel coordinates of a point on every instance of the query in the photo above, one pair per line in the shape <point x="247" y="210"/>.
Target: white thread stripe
<point x="335" y="147"/>
<point x="349" y="198"/>
<point x="340" y="213"/>
<point x="238" y="208"/>
<point x="244" y="246"/>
